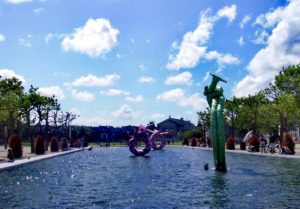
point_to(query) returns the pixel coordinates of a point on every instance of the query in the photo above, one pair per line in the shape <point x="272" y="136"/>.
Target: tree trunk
<point x="3" y="135"/>
<point x="29" y="132"/>
<point x="11" y="123"/>
<point x="282" y="128"/>
<point x="232" y="130"/>
<point x="254" y="125"/>
<point x="47" y="132"/>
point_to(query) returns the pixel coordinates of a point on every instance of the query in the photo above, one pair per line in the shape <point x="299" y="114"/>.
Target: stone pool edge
<point x="17" y="163"/>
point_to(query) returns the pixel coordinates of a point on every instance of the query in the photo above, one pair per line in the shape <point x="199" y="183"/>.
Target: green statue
<point x="215" y="99"/>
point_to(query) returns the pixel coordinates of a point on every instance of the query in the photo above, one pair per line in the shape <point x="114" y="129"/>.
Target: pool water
<point x="174" y="178"/>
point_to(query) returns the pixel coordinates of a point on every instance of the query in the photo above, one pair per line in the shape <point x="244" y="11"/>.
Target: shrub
<point x="202" y="142"/>
<point x="185" y="142"/>
<point x="39" y="145"/>
<point x="230" y="144"/>
<point x="54" y="144"/>
<point x="289" y="143"/>
<point x="254" y="141"/>
<point x="194" y="142"/>
<point x="15" y="144"/>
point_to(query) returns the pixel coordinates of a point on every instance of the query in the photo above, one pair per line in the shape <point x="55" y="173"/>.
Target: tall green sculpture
<point x="215" y="99"/>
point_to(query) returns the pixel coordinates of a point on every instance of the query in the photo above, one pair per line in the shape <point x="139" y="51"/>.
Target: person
<point x="10" y="155"/>
<point x="262" y="144"/>
<point x="285" y="150"/>
<point x="208" y="142"/>
<point x="272" y="144"/>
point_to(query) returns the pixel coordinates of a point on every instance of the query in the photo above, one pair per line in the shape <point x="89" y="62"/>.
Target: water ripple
<point x="175" y="178"/>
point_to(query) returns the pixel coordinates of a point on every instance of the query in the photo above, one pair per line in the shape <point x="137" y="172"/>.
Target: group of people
<point x="271" y="145"/>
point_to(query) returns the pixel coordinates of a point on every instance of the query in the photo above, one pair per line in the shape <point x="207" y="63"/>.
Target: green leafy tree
<point x="232" y="109"/>
<point x="25" y="112"/>
<point x="252" y="105"/>
<point x="11" y="91"/>
<point x="284" y="95"/>
<point x="288" y="81"/>
<point x="204" y="121"/>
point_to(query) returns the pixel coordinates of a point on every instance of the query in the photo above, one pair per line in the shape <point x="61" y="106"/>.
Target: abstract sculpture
<point x="141" y="134"/>
<point x="215" y="100"/>
<point x="157" y="135"/>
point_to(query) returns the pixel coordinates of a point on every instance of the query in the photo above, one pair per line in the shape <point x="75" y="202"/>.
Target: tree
<point x="50" y="104"/>
<point x="252" y="103"/>
<point x="54" y="115"/>
<point x="232" y="109"/>
<point x="65" y="119"/>
<point x="288" y="81"/>
<point x="285" y="96"/>
<point x="204" y="121"/>
<point x="25" y="110"/>
<point x="42" y="106"/>
<point x="11" y="90"/>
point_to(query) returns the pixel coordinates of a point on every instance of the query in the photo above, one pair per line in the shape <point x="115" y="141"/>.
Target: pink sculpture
<point x="157" y="135"/>
<point x="141" y="134"/>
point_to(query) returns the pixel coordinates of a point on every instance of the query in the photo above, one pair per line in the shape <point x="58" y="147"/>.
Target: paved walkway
<point x="28" y="157"/>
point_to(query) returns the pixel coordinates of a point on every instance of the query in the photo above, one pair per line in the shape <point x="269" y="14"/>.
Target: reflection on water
<point x="174" y="178"/>
<point x="219" y="191"/>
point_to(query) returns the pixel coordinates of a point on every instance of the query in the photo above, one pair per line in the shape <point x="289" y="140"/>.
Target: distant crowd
<point x="264" y="143"/>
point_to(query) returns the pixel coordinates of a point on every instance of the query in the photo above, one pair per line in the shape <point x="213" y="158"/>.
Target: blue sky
<point x="119" y="62"/>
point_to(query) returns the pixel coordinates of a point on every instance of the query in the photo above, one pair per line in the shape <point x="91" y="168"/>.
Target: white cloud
<point x="192" y="47"/>
<point x="74" y="110"/>
<point x="17" y="1"/>
<point x="228" y="11"/>
<point x="241" y="41"/>
<point x="51" y="36"/>
<point x="114" y="92"/>
<point x="190" y="112"/>
<point x="92" y="80"/>
<point x="145" y="79"/>
<point x="142" y="67"/>
<point x="119" y="56"/>
<point x="52" y="90"/>
<point x="184" y="78"/>
<point x="222" y="59"/>
<point x="93" y="121"/>
<point x="206" y="76"/>
<point x="83" y="96"/>
<point x="132" y="40"/>
<point x="179" y="96"/>
<point x="138" y="99"/>
<point x="148" y="41"/>
<point x="157" y="116"/>
<point x="244" y="21"/>
<point x="39" y="10"/>
<point x="126" y="113"/>
<point x="2" y="37"/>
<point x="282" y="49"/>
<point x="25" y="42"/>
<point x="7" y="73"/>
<point x="262" y="37"/>
<point x="270" y="19"/>
<point x="95" y="38"/>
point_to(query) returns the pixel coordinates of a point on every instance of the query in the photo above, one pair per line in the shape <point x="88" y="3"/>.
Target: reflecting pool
<point x="174" y="178"/>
